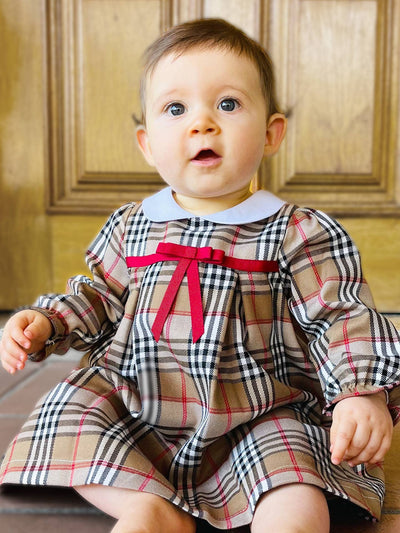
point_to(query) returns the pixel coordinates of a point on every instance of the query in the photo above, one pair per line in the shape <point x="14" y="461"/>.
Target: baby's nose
<point x="203" y="122"/>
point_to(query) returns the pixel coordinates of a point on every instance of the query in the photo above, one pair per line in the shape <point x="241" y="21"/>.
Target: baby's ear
<point x="276" y="129"/>
<point x="144" y="145"/>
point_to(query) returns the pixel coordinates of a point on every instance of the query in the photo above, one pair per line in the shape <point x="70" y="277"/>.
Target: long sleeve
<point x="92" y="308"/>
<point x="354" y="349"/>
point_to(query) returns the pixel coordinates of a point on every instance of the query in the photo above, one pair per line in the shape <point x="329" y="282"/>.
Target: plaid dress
<point x="214" y="420"/>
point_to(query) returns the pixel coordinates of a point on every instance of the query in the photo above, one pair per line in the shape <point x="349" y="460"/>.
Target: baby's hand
<point x="25" y="332"/>
<point x="362" y="430"/>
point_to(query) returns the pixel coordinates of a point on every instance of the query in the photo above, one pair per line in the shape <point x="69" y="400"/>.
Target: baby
<point x="234" y="361"/>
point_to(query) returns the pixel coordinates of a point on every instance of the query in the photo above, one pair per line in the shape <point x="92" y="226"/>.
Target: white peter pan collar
<point x="162" y="207"/>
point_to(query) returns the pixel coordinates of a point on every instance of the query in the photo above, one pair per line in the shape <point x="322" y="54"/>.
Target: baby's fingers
<point x="12" y="363"/>
<point x="12" y="368"/>
<point x="341" y="437"/>
<point x="15" y="344"/>
<point x="375" y="450"/>
<point x="20" y="338"/>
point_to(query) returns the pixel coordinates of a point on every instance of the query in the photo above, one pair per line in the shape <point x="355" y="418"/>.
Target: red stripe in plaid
<point x="7" y="467"/>
<point x="147" y="479"/>
<point x="220" y="490"/>
<point x="82" y="422"/>
<point x="307" y="251"/>
<point x="234" y="241"/>
<point x="289" y="448"/>
<point x="347" y="345"/>
<point x="257" y="321"/>
<point x="228" y="409"/>
<point x="107" y="273"/>
<point x="83" y="465"/>
<point x="283" y="400"/>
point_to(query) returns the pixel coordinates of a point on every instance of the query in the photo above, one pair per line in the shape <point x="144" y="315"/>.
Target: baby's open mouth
<point x="207" y="156"/>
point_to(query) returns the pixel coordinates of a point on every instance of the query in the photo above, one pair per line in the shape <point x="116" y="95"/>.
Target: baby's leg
<point x="295" y="508"/>
<point x="138" y="512"/>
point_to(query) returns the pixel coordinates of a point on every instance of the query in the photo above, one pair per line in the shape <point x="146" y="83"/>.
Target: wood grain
<point x="337" y="67"/>
<point x="25" y="255"/>
<point x="338" y="74"/>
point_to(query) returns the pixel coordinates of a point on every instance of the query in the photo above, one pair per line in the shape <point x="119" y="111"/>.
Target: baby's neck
<point x="209" y="205"/>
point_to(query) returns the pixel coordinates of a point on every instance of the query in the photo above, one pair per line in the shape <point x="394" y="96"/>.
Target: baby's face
<point x="206" y="123"/>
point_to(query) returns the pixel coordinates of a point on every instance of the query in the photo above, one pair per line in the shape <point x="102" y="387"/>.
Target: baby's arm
<point x="362" y="429"/>
<point x="25" y="332"/>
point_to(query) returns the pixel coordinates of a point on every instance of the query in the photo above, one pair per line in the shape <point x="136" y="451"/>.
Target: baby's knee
<point x="294" y="508"/>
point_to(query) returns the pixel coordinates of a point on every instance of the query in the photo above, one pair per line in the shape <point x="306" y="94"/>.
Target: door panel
<point x="68" y="157"/>
<point x="25" y="257"/>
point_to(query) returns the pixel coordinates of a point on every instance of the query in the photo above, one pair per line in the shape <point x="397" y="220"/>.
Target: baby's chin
<point x="208" y="202"/>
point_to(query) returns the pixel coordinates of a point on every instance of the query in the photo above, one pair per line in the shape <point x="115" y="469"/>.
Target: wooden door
<point x="68" y="87"/>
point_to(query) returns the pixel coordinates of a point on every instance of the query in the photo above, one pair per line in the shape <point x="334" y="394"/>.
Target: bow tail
<point x="169" y="297"/>
<point x="196" y="305"/>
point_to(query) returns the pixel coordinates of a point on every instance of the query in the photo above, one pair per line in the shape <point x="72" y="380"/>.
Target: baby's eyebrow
<point x="168" y="95"/>
<point x="178" y="93"/>
<point x="236" y="89"/>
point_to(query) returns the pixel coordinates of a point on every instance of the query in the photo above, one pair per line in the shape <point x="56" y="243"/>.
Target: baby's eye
<point x="175" y="109"/>
<point x="228" y="104"/>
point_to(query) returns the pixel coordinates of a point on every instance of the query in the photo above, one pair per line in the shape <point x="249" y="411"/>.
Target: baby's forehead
<point x="179" y="59"/>
<point x="173" y="55"/>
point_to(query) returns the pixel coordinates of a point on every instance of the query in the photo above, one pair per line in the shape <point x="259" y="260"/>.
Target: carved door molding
<point x="337" y="71"/>
<point x="93" y="48"/>
<point x="341" y="80"/>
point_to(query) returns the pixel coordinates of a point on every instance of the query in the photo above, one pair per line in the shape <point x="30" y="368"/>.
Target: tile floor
<point x="61" y="510"/>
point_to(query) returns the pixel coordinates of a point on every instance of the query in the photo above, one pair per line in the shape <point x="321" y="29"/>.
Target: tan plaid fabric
<point x="214" y="424"/>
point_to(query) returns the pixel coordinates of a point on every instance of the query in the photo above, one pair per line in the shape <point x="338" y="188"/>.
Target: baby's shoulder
<point x="309" y="221"/>
<point x="125" y="213"/>
<point x="315" y="231"/>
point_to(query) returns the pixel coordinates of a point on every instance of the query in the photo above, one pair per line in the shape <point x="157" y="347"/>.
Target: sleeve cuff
<point x="60" y="331"/>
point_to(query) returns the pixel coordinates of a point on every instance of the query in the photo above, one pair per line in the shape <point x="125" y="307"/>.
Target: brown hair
<point x="209" y="33"/>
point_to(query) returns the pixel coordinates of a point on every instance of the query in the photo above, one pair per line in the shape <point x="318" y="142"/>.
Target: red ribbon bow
<point x="188" y="258"/>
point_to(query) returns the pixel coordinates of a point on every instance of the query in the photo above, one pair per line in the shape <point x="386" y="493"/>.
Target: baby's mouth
<point x="207" y="157"/>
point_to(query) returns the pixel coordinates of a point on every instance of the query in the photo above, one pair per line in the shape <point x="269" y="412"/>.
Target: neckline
<point x="162" y="207"/>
